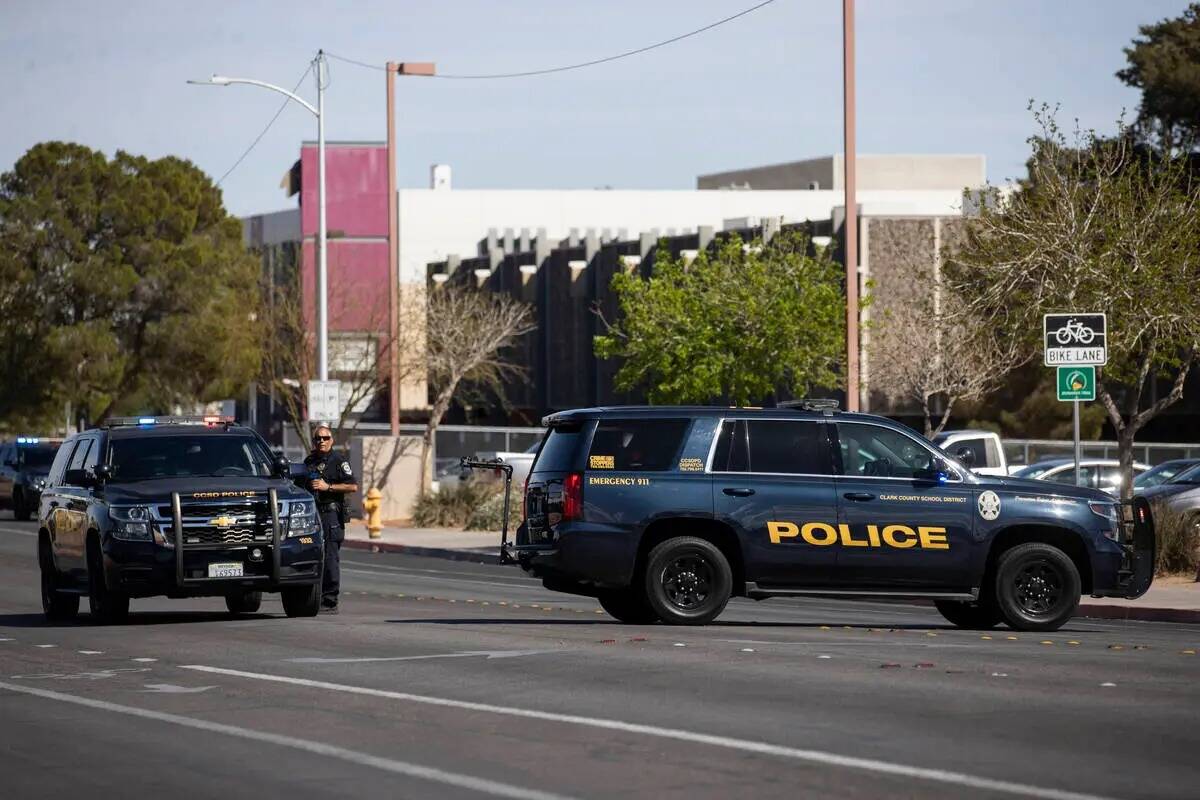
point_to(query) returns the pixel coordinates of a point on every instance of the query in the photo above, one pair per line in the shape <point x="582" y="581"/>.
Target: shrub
<point x="453" y="506"/>
<point x="489" y="515"/>
<point x="1178" y="539"/>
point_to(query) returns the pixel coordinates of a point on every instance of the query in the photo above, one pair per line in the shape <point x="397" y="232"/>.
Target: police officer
<point x="330" y="480"/>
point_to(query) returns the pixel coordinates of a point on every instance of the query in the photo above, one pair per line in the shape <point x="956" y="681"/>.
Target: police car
<point x="664" y="513"/>
<point x="24" y="463"/>
<point x="175" y="506"/>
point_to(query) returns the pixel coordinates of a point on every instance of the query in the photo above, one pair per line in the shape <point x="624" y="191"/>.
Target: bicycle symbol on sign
<point x="1074" y="332"/>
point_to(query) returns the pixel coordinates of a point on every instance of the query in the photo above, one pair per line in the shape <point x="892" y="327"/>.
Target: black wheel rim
<point x="1038" y="586"/>
<point x="687" y="581"/>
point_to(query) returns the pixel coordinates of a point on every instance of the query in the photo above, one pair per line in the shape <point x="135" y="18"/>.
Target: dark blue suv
<point x="664" y="513"/>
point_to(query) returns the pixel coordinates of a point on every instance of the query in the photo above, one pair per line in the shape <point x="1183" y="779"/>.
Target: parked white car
<point x="1098" y="473"/>
<point x="979" y="450"/>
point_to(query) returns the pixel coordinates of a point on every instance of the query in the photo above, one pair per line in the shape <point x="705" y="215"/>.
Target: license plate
<point x="225" y="570"/>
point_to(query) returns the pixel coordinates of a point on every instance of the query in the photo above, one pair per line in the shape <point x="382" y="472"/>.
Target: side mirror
<point x="936" y="472"/>
<point x="966" y="456"/>
<point x="283" y="467"/>
<point x="103" y="472"/>
<point x="79" y="477"/>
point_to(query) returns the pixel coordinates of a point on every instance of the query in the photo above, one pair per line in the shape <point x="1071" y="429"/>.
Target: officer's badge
<point x="321" y="467"/>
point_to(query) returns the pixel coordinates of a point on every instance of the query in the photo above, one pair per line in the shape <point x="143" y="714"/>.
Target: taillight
<point x="572" y="496"/>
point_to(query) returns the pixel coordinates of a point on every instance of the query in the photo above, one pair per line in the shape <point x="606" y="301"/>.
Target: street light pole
<point x="319" y="113"/>
<point x="322" y="251"/>
<point x="850" y="155"/>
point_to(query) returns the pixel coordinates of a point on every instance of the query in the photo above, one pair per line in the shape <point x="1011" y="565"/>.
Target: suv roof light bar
<point x="826" y="405"/>
<point x="207" y="419"/>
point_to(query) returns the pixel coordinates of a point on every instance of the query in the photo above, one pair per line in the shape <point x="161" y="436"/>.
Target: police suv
<point x="664" y="513"/>
<point x="175" y="506"/>
<point x="24" y="464"/>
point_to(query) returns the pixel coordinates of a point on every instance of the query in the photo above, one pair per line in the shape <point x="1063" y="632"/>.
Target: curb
<point x="478" y="556"/>
<point x="1141" y="613"/>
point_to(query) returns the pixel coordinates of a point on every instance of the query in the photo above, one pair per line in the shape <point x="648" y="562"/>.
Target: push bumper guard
<point x="1136" y="530"/>
<point x="181" y="578"/>
<point x="496" y="464"/>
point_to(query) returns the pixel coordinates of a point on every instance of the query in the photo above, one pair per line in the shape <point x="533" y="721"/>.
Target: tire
<point x="301" y="601"/>
<point x="971" y="616"/>
<point x="21" y="512"/>
<point x="1037" y="587"/>
<point x="107" y="606"/>
<point x="628" y="606"/>
<point x="688" y="581"/>
<point x="56" y="605"/>
<point x="243" y="602"/>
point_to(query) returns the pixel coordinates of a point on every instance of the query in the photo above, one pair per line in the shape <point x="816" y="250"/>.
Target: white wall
<point x="437" y="224"/>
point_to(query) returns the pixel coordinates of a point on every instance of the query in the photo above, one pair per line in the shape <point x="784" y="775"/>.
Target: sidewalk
<point x="1169" y="599"/>
<point x="478" y="546"/>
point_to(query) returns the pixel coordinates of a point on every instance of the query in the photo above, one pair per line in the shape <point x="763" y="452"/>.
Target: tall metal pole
<point x="393" y="255"/>
<point x="850" y="156"/>
<point x="1075" y="405"/>
<point x="322" y="253"/>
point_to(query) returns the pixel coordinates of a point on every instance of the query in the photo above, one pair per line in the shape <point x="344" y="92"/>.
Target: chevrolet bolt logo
<point x="223" y="522"/>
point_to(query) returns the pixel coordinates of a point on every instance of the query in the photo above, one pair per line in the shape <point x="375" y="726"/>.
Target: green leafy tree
<point x="125" y="286"/>
<point x="736" y="324"/>
<point x="1096" y="228"/>
<point x="1165" y="65"/>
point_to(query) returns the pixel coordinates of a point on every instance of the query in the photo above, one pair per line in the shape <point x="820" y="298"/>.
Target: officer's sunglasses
<point x="322" y="438"/>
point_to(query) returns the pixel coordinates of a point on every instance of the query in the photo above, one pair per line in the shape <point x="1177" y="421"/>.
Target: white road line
<point x="517" y="578"/>
<point x="20" y="531"/>
<point x="353" y="756"/>
<point x="489" y="654"/>
<point x="744" y="745"/>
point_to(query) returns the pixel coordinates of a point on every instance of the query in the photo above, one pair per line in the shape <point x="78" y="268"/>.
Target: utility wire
<point x="568" y="67"/>
<point x="258" y="138"/>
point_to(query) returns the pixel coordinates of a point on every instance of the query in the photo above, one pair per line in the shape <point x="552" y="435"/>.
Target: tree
<point x="1096" y="229"/>
<point x="933" y="346"/>
<point x="1165" y="66"/>
<point x="466" y="333"/>
<point x="126" y="286"/>
<point x="736" y="324"/>
<point x="360" y="363"/>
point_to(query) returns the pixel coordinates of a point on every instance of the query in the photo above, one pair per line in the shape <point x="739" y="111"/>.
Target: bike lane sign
<point x="1073" y="340"/>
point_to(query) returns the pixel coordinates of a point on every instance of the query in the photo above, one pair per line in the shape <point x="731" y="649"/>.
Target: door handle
<point x="738" y="491"/>
<point x="862" y="496"/>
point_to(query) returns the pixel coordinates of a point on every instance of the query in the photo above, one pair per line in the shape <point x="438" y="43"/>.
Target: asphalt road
<point x="446" y="679"/>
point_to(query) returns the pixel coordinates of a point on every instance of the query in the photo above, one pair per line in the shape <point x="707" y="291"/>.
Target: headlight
<point x="1109" y="512"/>
<point x="302" y="518"/>
<point x="133" y="523"/>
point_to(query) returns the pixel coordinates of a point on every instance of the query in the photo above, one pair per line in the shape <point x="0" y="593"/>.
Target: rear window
<point x="558" y="452"/>
<point x="636" y="445"/>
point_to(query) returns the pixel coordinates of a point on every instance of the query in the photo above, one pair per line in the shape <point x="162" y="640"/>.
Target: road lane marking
<point x="490" y="654"/>
<point x="481" y="785"/>
<point x="171" y="688"/>
<point x="20" y="531"/>
<point x="743" y="745"/>
<point x="145" y="660"/>
<point x="517" y="580"/>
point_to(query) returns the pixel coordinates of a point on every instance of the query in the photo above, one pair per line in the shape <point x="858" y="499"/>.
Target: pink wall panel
<point x="358" y="284"/>
<point x="356" y="185"/>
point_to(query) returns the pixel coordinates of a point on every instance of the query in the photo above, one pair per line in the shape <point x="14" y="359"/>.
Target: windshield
<point x="207" y="455"/>
<point x="38" y="458"/>
<point x="1191" y="475"/>
<point x="1033" y="470"/>
<point x="1161" y="474"/>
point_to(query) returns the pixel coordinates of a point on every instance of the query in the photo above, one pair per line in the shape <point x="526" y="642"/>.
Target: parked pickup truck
<point x="978" y="450"/>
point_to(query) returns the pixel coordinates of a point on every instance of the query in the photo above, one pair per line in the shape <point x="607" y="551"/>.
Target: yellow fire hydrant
<point x="372" y="505"/>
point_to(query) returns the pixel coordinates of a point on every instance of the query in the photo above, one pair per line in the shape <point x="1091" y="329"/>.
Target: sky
<point x="934" y="76"/>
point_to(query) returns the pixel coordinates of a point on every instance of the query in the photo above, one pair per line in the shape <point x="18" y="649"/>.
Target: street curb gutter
<point x="478" y="556"/>
<point x="489" y="556"/>
<point x="1142" y="613"/>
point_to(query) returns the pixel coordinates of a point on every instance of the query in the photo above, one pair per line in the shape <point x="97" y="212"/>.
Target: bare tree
<point x="359" y="360"/>
<point x="934" y="347"/>
<point x="467" y="332"/>
<point x="1098" y="226"/>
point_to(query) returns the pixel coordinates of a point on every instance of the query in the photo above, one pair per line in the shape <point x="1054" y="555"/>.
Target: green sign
<point x="1076" y="383"/>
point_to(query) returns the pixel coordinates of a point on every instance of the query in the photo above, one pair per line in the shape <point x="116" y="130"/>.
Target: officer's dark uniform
<point x="332" y="468"/>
